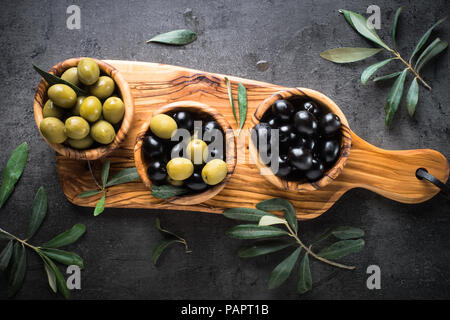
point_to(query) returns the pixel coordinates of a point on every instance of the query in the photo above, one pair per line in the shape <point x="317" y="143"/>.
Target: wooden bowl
<point x="346" y="140"/>
<point x="230" y="147"/>
<point x="95" y="153"/>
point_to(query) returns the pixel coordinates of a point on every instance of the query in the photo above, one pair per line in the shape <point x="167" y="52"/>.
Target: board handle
<point x="392" y="173"/>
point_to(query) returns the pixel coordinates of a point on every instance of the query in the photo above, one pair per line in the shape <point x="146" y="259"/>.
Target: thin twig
<point x="93" y="176"/>
<point x="410" y="67"/>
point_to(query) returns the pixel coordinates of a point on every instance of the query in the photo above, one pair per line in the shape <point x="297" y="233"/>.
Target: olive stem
<point x="23" y="242"/>
<point x="410" y="67"/>
<point x="93" y="176"/>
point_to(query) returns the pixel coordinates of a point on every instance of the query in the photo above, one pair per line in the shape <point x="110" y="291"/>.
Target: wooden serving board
<point x="389" y="173"/>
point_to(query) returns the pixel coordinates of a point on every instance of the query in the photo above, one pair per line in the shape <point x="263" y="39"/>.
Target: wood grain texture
<point x="389" y="173"/>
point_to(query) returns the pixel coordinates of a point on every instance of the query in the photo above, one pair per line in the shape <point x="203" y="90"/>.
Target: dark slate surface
<point x="410" y="243"/>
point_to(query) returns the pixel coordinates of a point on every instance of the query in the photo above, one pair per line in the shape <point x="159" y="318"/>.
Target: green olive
<point x="84" y="143"/>
<point x="76" y="110"/>
<point x="103" y="87"/>
<point x="53" y="130"/>
<point x="71" y="75"/>
<point x="197" y="151"/>
<point x="103" y="132"/>
<point x="91" y="109"/>
<point x="88" y="71"/>
<point x="175" y="183"/>
<point x="113" y="110"/>
<point x="163" y="126"/>
<point x="214" y="172"/>
<point x="50" y="110"/>
<point x="180" y="168"/>
<point x="76" y="127"/>
<point x="62" y="95"/>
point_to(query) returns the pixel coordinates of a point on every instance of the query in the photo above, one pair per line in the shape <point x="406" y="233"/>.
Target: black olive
<point x="261" y="133"/>
<point x="195" y="182"/>
<point x="305" y="123"/>
<point x="294" y="137"/>
<point x="209" y="131"/>
<point x="316" y="170"/>
<point x="184" y="120"/>
<point x="284" y="167"/>
<point x="300" y="157"/>
<point x="273" y="122"/>
<point x="156" y="171"/>
<point x="284" y="133"/>
<point x="330" y="124"/>
<point x="178" y="150"/>
<point x="329" y="151"/>
<point x="152" y="147"/>
<point x="306" y="142"/>
<point x="283" y="109"/>
<point x="312" y="108"/>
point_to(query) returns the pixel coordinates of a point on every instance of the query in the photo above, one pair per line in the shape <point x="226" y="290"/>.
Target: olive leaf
<point x="271" y="220"/>
<point x="89" y="193"/>
<point x="52" y="79"/>
<point x="342" y="248"/>
<point x="245" y="214"/>
<point x="59" y="278"/>
<point x="394" y="97"/>
<point x="5" y="256"/>
<point x="13" y="170"/>
<point x="38" y="212"/>
<point x="370" y="70"/>
<point x="412" y="97"/>
<point x="366" y="29"/>
<point x="304" y="283"/>
<point x="167" y="191"/>
<point x="345" y="233"/>
<point x="283" y="270"/>
<point x="159" y="249"/>
<point x="100" y="206"/>
<point x="387" y="77"/>
<point x="263" y="247"/>
<point x="252" y="231"/>
<point x="64" y="257"/>
<point x="230" y="97"/>
<point x="18" y="269"/>
<point x="67" y="237"/>
<point x="346" y="54"/>
<point x="123" y="176"/>
<point x="242" y="104"/>
<point x="50" y="276"/>
<point x="424" y="38"/>
<point x="281" y="204"/>
<point x="105" y="172"/>
<point x="436" y="47"/>
<point x="394" y="25"/>
<point x="175" y="37"/>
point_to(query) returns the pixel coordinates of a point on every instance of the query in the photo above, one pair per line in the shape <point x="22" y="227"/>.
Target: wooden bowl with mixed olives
<point x="187" y="145"/>
<point x="87" y="124"/>
<point x="301" y="139"/>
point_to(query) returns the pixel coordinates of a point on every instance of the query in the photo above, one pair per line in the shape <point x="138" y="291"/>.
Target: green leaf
<point x="38" y="211"/>
<point x="13" y="170"/>
<point x="67" y="237"/>
<point x="366" y="30"/>
<point x="89" y="193"/>
<point x="263" y="247"/>
<point x="245" y="214"/>
<point x="5" y="256"/>
<point x="242" y="104"/>
<point x="100" y="207"/>
<point x="167" y="191"/>
<point x="388" y="76"/>
<point x="253" y="231"/>
<point x="304" y="283"/>
<point x="370" y="70"/>
<point x="283" y="270"/>
<point x="346" y="54"/>
<point x="176" y="37"/>
<point x="412" y="97"/>
<point x="342" y="248"/>
<point x="60" y="280"/>
<point x="394" y="97"/>
<point x="158" y="226"/>
<point x="424" y="39"/>
<point x="64" y="257"/>
<point x="323" y="236"/>
<point x="52" y="79"/>
<point x="345" y="233"/>
<point x="230" y="97"/>
<point x="281" y="204"/>
<point x="123" y="176"/>
<point x="269" y="220"/>
<point x="105" y="172"/>
<point x="159" y="249"/>
<point x="50" y="276"/>
<point x="394" y="25"/>
<point x="436" y="47"/>
<point x="18" y="269"/>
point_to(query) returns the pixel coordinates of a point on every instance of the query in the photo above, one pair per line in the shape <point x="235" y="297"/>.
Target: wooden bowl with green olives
<point x="199" y="159"/>
<point x="314" y="139"/>
<point x="87" y="124"/>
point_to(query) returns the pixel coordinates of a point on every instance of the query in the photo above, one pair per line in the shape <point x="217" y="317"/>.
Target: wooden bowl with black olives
<point x="186" y="146"/>
<point x="87" y="116"/>
<point x="300" y="140"/>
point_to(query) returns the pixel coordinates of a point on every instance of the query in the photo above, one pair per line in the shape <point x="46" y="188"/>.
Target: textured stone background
<point x="410" y="243"/>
